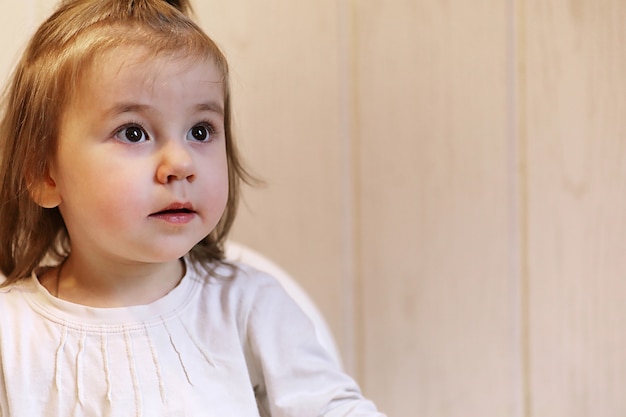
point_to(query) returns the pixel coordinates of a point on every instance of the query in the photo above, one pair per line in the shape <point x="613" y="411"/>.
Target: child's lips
<point x="176" y="213"/>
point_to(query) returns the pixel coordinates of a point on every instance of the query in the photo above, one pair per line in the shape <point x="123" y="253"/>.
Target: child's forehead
<point x="127" y="69"/>
<point x="127" y="57"/>
<point x="147" y="65"/>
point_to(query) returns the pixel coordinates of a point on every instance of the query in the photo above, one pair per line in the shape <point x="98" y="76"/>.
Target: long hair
<point x="62" y="49"/>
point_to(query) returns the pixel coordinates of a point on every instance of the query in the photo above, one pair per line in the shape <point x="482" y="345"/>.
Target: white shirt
<point x="214" y="346"/>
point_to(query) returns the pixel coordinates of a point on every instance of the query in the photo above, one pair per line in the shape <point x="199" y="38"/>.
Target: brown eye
<point x="131" y="134"/>
<point x="199" y="133"/>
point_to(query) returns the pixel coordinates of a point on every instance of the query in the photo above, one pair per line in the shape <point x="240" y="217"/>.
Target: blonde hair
<point x="63" y="48"/>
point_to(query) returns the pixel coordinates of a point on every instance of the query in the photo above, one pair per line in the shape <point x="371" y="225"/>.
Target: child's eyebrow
<point x="211" y="106"/>
<point x="121" y="108"/>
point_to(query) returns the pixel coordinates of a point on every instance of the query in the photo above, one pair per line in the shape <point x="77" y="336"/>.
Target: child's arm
<point x="291" y="372"/>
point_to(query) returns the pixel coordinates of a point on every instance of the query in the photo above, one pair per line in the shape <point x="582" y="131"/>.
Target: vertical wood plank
<point x="437" y="295"/>
<point x="574" y="104"/>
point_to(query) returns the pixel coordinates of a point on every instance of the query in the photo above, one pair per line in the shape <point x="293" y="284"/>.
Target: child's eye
<point x="200" y="133"/>
<point x="132" y="134"/>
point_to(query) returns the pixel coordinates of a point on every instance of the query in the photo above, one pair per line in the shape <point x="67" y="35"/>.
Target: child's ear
<point x="44" y="192"/>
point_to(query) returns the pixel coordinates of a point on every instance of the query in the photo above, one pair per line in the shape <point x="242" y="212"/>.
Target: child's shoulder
<point x="231" y="274"/>
<point x="238" y="291"/>
<point x="6" y="288"/>
<point x="236" y="280"/>
<point x="13" y="298"/>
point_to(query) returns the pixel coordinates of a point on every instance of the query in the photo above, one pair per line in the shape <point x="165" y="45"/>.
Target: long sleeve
<point x="292" y="374"/>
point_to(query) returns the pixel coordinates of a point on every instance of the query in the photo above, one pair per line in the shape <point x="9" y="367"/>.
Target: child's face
<point x="141" y="172"/>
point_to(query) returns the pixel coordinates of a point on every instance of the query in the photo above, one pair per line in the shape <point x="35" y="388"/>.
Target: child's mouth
<point x="178" y="213"/>
<point x="174" y="211"/>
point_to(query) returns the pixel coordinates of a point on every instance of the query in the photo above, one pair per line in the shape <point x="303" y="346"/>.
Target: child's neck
<point x="107" y="285"/>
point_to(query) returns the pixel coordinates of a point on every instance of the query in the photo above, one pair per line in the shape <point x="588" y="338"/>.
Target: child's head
<point x="46" y="84"/>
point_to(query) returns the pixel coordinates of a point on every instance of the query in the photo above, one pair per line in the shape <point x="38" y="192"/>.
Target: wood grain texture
<point x="438" y="323"/>
<point x="573" y="103"/>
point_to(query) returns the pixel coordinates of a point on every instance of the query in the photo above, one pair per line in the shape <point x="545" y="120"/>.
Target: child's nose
<point x="175" y="163"/>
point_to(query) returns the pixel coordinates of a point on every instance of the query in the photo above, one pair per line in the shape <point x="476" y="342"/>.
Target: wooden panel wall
<point x="446" y="179"/>
<point x="573" y="121"/>
<point x="434" y="207"/>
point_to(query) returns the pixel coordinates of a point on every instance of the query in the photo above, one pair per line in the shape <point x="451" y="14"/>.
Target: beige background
<point x="447" y="179"/>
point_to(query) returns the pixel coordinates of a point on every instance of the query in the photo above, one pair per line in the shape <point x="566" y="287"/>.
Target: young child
<point x="120" y="181"/>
